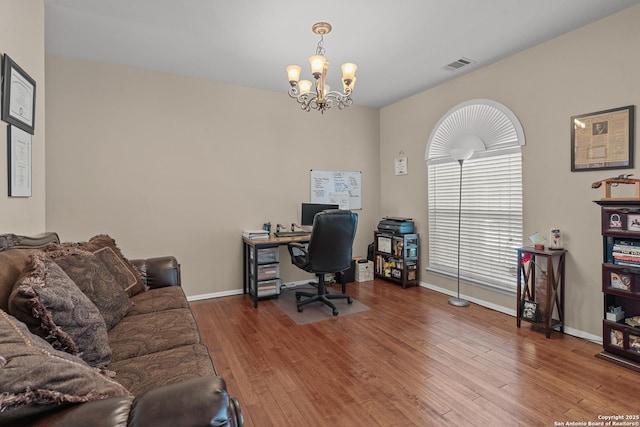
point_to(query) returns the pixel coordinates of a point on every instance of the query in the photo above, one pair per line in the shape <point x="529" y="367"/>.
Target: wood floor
<point x="411" y="360"/>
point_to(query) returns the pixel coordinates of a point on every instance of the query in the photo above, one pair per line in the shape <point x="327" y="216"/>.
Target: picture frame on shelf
<point x="529" y="311"/>
<point x="19" y="156"/>
<point x="603" y="139"/>
<point x="634" y="342"/>
<point x="18" y="96"/>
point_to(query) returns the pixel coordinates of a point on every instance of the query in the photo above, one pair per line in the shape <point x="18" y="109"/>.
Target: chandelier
<point x="323" y="98"/>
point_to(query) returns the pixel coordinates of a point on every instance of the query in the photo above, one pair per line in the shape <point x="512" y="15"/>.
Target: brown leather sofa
<point x="157" y="358"/>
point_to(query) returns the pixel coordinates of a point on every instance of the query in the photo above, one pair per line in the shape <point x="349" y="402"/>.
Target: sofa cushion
<point x="105" y="248"/>
<point x="95" y="280"/>
<point x="34" y="377"/>
<point x="153" y="332"/>
<point x="47" y="300"/>
<point x="159" y="299"/>
<point x="144" y="373"/>
<point x="12" y="263"/>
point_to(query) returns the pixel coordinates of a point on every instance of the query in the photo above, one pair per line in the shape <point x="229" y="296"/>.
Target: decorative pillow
<point x="104" y="247"/>
<point x="95" y="280"/>
<point x="34" y="377"/>
<point x="45" y="297"/>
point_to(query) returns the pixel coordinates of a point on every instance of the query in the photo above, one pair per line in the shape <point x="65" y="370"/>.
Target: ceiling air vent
<point x="456" y="65"/>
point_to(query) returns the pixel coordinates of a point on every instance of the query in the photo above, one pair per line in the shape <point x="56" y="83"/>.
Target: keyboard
<point x="291" y="233"/>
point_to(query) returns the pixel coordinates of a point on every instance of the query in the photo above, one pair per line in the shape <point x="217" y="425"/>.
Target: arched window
<point x="490" y="199"/>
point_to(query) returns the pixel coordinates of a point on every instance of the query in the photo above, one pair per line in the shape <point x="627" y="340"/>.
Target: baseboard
<point x="510" y="311"/>
<point x="240" y="291"/>
<point x="215" y="295"/>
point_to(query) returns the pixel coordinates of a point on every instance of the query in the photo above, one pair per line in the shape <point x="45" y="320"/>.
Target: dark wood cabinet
<point x="541" y="288"/>
<point x="396" y="257"/>
<point x="621" y="280"/>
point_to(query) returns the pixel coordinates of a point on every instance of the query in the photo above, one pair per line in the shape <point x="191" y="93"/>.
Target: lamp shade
<point x="348" y="71"/>
<point x="305" y="86"/>
<point x="348" y="86"/>
<point x="293" y="72"/>
<point x="317" y="64"/>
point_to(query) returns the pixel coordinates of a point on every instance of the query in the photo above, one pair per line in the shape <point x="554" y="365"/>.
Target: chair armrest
<point x="293" y="246"/>
<point x="159" y="272"/>
<point x="301" y="258"/>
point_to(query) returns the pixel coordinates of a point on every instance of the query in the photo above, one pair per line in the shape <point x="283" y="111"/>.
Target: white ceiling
<point x="400" y="46"/>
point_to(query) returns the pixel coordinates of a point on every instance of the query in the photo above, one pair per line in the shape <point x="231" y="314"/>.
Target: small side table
<point x="541" y="311"/>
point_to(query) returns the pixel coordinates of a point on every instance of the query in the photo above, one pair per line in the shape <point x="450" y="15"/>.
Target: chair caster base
<point x="335" y="312"/>
<point x="349" y="300"/>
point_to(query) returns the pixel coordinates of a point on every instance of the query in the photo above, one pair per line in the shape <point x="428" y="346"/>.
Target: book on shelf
<point x="255" y="234"/>
<point x="630" y="258"/>
<point x="625" y="251"/>
<point x="626" y="263"/>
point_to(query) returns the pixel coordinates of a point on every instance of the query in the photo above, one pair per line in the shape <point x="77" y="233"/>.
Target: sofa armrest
<point x="200" y="401"/>
<point x="192" y="403"/>
<point x="111" y="412"/>
<point x="159" y="272"/>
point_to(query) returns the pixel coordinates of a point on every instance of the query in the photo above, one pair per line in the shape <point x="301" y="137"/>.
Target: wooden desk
<point x="251" y="248"/>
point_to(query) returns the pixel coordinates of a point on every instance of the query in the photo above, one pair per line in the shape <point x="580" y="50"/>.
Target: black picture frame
<point x="603" y="140"/>
<point x="18" y="96"/>
<point x="529" y="311"/>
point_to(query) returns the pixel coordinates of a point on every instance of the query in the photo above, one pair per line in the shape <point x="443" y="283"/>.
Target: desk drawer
<point x="265" y="287"/>
<point x="266" y="271"/>
<point x="266" y="255"/>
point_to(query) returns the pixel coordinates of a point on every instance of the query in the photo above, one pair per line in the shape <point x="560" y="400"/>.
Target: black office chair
<point x="329" y="251"/>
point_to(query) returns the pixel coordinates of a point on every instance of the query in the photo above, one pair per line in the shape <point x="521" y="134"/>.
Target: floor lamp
<point x="461" y="154"/>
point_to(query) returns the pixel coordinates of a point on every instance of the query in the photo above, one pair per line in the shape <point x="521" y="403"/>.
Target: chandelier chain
<point x="320" y="49"/>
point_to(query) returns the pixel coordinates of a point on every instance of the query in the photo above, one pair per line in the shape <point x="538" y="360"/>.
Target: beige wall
<point x="176" y="165"/>
<point x="22" y="38"/>
<point x="593" y="68"/>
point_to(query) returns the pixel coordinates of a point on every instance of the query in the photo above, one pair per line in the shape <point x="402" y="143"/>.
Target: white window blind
<point x="491" y="218"/>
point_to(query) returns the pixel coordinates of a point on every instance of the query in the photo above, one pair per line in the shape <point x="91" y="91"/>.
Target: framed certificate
<point x="602" y="140"/>
<point x="19" y="163"/>
<point x="18" y="96"/>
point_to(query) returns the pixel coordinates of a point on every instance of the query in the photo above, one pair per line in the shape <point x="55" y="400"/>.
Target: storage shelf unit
<point x="396" y="257"/>
<point x="621" y="278"/>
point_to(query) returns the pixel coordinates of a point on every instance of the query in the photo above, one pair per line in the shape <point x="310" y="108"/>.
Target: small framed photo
<point x="529" y="311"/>
<point x="18" y="96"/>
<point x="603" y="140"/>
<point x="634" y="343"/>
<point x="384" y="244"/>
<point x="19" y="155"/>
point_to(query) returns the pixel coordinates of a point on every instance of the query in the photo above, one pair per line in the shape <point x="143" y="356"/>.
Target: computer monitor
<point x="309" y="210"/>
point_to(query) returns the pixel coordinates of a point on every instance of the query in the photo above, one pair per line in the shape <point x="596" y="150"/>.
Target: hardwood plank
<point x="410" y="360"/>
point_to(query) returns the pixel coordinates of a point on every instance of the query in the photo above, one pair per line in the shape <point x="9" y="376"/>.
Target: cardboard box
<point x="364" y="271"/>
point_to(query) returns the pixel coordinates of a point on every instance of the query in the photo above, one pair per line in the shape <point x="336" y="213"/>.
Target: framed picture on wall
<point x="19" y="162"/>
<point x="18" y="96"/>
<point x="602" y="140"/>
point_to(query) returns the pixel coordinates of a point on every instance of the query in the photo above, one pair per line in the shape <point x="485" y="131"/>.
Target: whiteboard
<point x="337" y="187"/>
